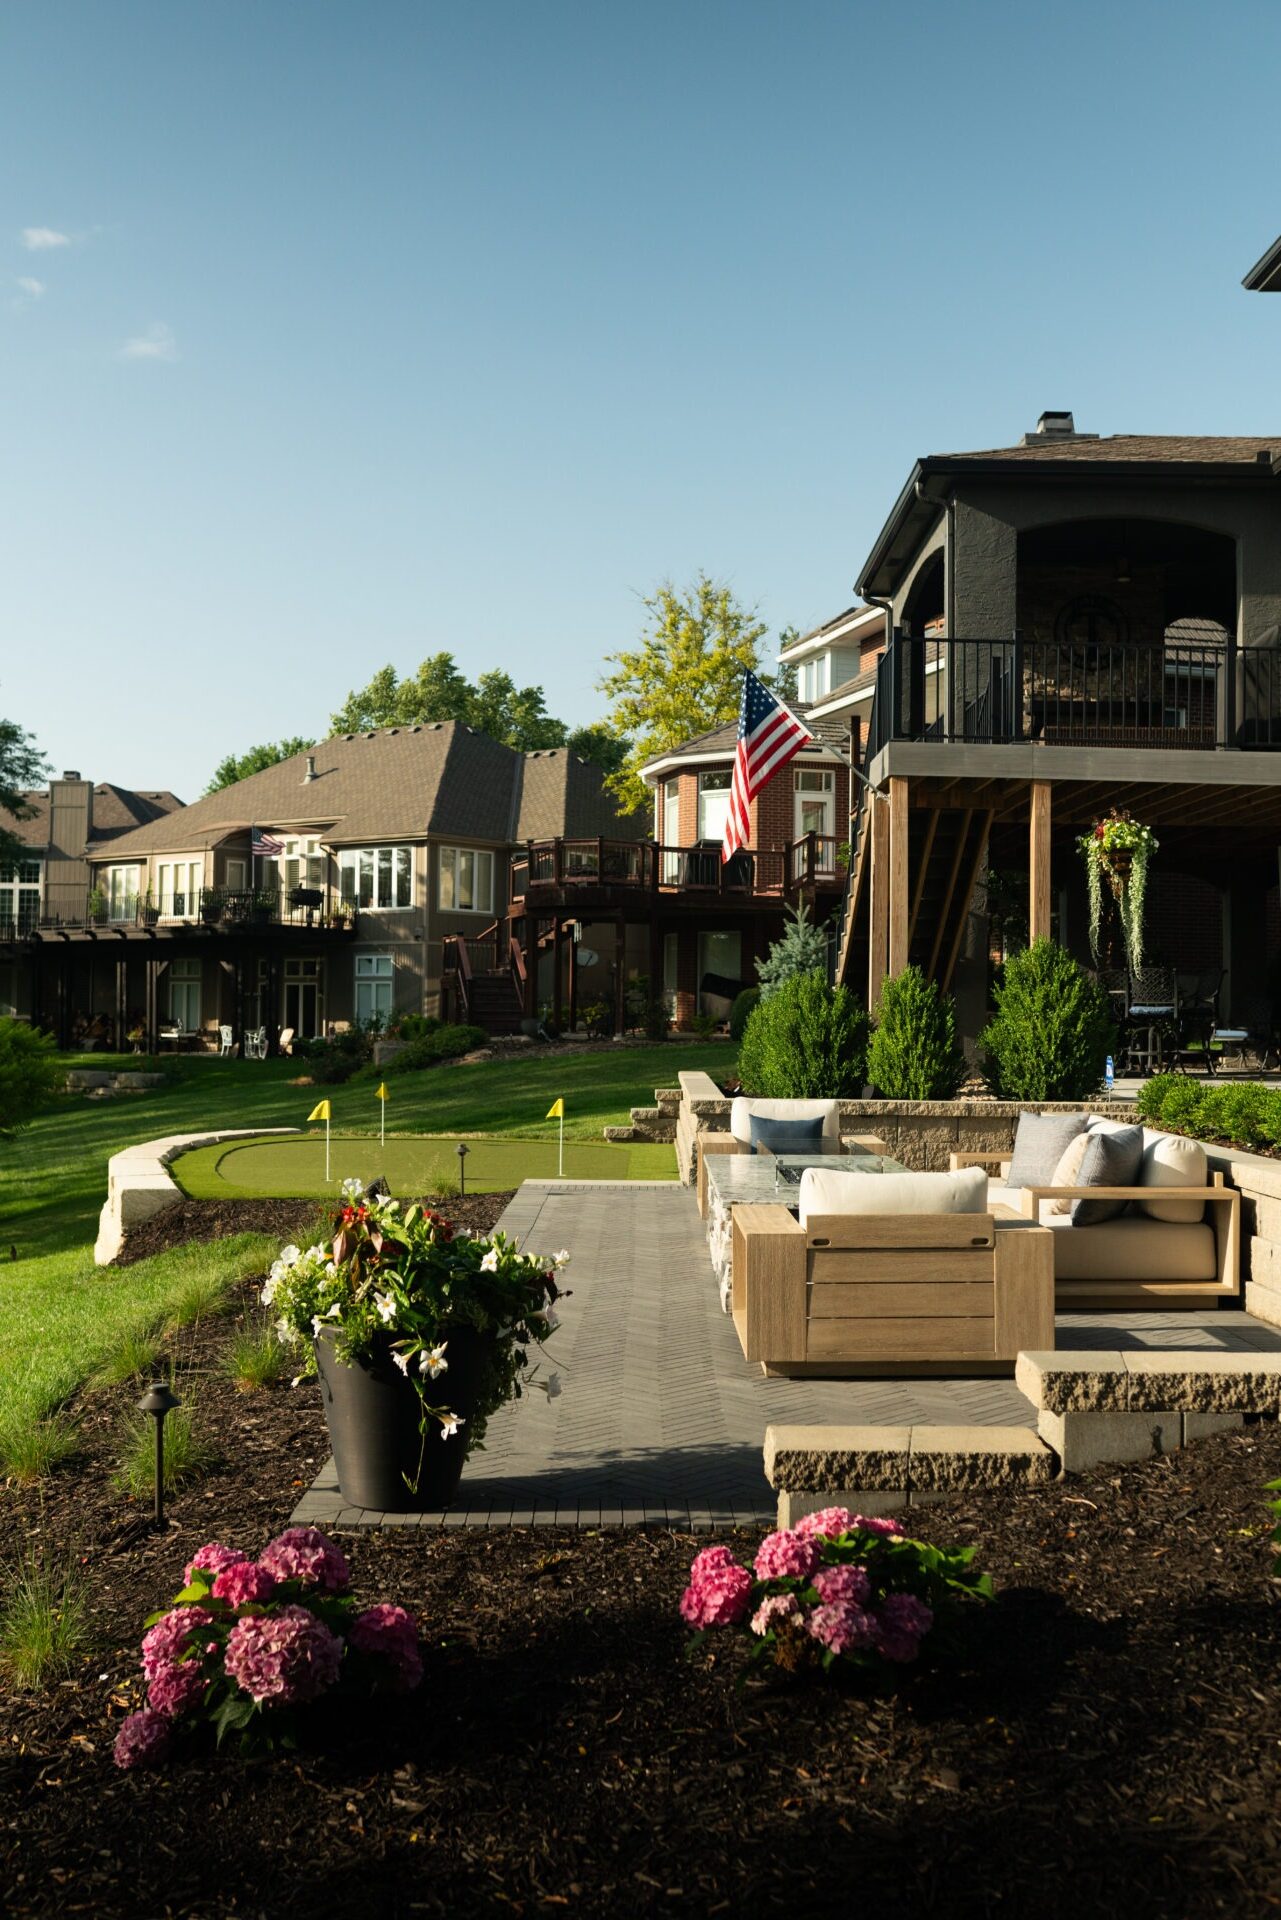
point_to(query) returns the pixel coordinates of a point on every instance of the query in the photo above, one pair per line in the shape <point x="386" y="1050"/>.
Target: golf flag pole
<point x="321" y="1112"/>
<point x="556" y="1111"/>
<point x="382" y="1114"/>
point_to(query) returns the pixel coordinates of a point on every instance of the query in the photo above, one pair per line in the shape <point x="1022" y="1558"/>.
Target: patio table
<point x="759" y="1179"/>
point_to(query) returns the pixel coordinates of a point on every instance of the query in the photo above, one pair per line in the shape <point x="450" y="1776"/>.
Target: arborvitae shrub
<point x="914" y="1054"/>
<point x="806" y="1041"/>
<point x="1052" y="1030"/>
<point x="741" y="1010"/>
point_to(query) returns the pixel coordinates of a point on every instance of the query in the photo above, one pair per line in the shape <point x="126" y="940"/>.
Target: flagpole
<point x="326" y="1149"/>
<point x="561" y="1164"/>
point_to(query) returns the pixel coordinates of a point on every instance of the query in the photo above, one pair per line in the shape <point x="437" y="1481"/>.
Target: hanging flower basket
<point x="1116" y="852"/>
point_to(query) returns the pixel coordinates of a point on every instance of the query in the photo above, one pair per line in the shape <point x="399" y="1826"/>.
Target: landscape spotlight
<point x="159" y="1400"/>
<point x="462" y="1151"/>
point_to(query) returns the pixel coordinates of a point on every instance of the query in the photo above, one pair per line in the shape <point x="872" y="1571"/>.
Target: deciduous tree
<point x="22" y="766"/>
<point x="239" y="766"/>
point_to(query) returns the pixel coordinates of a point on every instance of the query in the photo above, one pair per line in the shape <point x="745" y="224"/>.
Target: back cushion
<point x="826" y="1191"/>
<point x="1040" y="1142"/>
<point x="742" y="1108"/>
<point x="1068" y="1172"/>
<point x="1110" y="1160"/>
<point x="1170" y="1161"/>
<point x="787" y="1136"/>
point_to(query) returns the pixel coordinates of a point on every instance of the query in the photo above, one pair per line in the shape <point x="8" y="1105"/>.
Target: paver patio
<point x="661" y="1419"/>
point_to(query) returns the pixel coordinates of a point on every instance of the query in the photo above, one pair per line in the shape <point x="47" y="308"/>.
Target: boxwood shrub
<point x="1052" y="1030"/>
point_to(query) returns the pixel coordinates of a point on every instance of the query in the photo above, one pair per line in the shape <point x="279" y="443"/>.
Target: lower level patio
<point x="661" y="1420"/>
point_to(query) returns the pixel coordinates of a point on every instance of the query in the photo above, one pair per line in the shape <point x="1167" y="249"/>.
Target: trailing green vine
<point x="1117" y="852"/>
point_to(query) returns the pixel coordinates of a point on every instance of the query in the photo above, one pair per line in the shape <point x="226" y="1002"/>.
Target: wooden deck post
<point x="556" y="967"/>
<point x="878" y="914"/>
<point x="898" y="889"/>
<point x="1039" y="862"/>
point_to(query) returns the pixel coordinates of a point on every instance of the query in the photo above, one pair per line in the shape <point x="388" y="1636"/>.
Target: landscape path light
<point x="159" y="1400"/>
<point x="462" y="1151"/>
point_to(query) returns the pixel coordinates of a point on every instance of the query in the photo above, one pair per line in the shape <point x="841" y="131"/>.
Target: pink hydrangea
<point x="143" y="1740"/>
<point x="175" y="1690"/>
<point x="244" y="1583"/>
<point x="392" y="1633"/>
<point x="212" y="1559"/>
<point x="873" y="1523"/>
<point x="165" y="1643"/>
<point x="843" y="1628"/>
<point x="773" y="1610"/>
<point x="719" y="1599"/>
<point x="709" y="1561"/>
<point x="786" y="1555"/>
<point x="848" y="1584"/>
<point x="282" y="1659"/>
<point x="904" y="1622"/>
<point x="829" y="1524"/>
<point x="304" y="1554"/>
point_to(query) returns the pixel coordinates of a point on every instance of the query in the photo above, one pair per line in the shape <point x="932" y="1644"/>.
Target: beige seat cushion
<point x="825" y="1191"/>
<point x="1130" y="1248"/>
<point x="1171" y="1161"/>
<point x="828" y="1111"/>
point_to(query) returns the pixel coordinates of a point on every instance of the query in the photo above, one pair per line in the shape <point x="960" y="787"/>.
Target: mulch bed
<point x="1109" y="1746"/>
<point x="302" y="1220"/>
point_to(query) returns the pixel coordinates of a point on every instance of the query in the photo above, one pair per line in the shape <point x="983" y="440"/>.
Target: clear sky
<point x="339" y="333"/>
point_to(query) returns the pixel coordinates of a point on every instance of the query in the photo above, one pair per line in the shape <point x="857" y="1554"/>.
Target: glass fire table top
<point x="762" y="1179"/>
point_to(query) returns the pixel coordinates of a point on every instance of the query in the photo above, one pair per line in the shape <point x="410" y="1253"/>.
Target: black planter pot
<point x="373" y="1411"/>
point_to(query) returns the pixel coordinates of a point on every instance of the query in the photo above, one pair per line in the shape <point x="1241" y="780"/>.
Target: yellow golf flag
<point x="320" y="1111"/>
<point x="382" y="1091"/>
<point x="556" y="1111"/>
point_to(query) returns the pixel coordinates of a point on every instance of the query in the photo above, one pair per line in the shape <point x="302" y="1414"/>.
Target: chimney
<point x="311" y="769"/>
<point x="1055" y="426"/>
<point x="71" y="774"/>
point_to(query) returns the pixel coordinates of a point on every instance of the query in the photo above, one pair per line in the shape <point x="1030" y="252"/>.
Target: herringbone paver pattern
<point x="661" y="1419"/>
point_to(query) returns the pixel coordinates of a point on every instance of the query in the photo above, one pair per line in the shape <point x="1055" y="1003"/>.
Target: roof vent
<point x="415" y="729"/>
<point x="310" y="774"/>
<point x="1056" y="423"/>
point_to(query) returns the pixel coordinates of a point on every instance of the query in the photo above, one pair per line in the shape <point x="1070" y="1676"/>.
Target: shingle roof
<point x="1157" y="447"/>
<point x="563" y="795"/>
<point x="398" y="783"/>
<point x="724" y="739"/>
<point x="116" y="811"/>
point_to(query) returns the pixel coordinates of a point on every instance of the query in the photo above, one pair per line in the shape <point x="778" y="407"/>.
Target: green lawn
<point x="273" y="1169"/>
<point x="60" y="1315"/>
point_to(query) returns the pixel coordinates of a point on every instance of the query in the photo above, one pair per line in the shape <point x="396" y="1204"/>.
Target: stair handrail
<point x="843" y="928"/>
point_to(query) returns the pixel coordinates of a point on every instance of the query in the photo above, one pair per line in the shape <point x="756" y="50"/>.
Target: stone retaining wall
<point x="139" y="1184"/>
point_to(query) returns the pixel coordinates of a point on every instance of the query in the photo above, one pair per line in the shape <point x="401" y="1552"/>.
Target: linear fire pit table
<point x="765" y="1179"/>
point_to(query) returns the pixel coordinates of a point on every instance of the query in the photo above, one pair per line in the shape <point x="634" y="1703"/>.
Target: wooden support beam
<point x="967" y="894"/>
<point x="945" y="905"/>
<point x="899" y="877"/>
<point x="931" y="828"/>
<point x="878" y="955"/>
<point x="1039" y="862"/>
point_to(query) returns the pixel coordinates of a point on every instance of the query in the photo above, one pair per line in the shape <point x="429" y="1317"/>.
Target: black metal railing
<point x="1184" y="695"/>
<point x="75" y="907"/>
<point x="654" y="866"/>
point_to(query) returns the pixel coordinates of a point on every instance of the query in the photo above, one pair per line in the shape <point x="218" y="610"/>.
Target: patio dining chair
<point x="255" y="1043"/>
<point x="1153" y="1005"/>
<point x="226" y="1042"/>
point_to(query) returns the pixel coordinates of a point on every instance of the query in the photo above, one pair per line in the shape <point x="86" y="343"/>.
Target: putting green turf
<point x="295" y="1168"/>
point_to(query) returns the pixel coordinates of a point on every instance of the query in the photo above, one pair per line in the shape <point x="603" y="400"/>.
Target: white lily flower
<point x="450" y="1425"/>
<point x="402" y="1361"/>
<point x="562" y="1258"/>
<point x="316" y="1324"/>
<point x="489" y="1261"/>
<point x="334" y="1311"/>
<point x="353" y="1188"/>
<point x="290" y="1256"/>
<point x="268" y="1293"/>
<point x="432" y="1361"/>
<point x="386" y="1306"/>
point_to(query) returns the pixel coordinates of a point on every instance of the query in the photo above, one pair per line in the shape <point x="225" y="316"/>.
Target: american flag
<point x="769" y="735"/>
<point x="265" y="846"/>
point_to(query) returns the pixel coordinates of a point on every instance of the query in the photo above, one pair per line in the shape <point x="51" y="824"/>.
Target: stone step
<point x="878" y="1469"/>
<point x="621" y="1135"/>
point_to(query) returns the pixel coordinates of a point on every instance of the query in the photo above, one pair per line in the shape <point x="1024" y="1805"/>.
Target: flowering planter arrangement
<point x="418" y="1332"/>
<point x="248" y="1642"/>
<point x="1117" y="852"/>
<point x="837" y="1590"/>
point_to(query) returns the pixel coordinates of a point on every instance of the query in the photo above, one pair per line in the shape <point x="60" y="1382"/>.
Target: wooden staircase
<point x="945" y="864"/>
<point x="493" y="1002"/>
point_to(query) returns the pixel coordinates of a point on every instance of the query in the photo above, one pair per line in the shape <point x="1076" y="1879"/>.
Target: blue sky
<point x="351" y="332"/>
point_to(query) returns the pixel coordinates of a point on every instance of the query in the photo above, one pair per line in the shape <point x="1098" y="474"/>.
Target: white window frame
<point x="463" y="870"/>
<point x="376" y="872"/>
<point x="713" y="803"/>
<point x="186" y="979"/>
<point x="123" y="890"/>
<point x="375" y="987"/>
<point x="236" y="869"/>
<point x="20" y="890"/>
<point x="179" y="879"/>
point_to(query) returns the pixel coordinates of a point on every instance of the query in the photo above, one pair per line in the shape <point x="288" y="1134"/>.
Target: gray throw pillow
<point x="1110" y="1160"/>
<point x="787" y="1136"/>
<point x="1040" y="1141"/>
